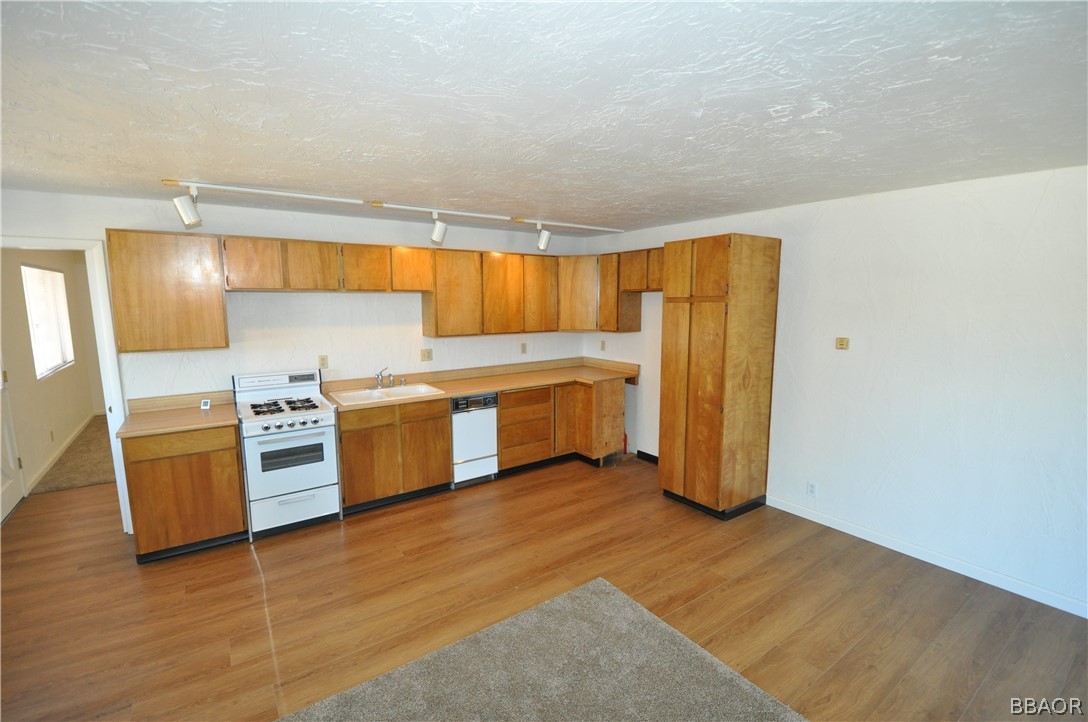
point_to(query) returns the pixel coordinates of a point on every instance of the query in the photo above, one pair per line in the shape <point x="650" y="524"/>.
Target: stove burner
<point x="306" y="404"/>
<point x="271" y="407"/>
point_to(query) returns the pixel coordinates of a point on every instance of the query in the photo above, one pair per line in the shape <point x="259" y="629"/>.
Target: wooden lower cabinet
<point x="525" y="426"/>
<point x="589" y="418"/>
<point x="184" y="488"/>
<point x="394" y="450"/>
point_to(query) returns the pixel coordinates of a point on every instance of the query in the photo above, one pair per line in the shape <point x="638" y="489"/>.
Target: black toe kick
<point x="723" y="514"/>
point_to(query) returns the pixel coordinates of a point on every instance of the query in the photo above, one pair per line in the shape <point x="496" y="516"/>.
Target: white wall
<point x="49" y="412"/>
<point x="954" y="428"/>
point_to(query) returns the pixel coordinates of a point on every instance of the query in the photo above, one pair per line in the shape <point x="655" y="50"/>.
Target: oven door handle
<point x="291" y="439"/>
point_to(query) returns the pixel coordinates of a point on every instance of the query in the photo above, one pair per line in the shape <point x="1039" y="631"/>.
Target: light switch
<point x="842" y="343"/>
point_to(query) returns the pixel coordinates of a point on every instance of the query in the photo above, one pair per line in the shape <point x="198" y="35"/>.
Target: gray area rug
<point x="87" y="461"/>
<point x="590" y="654"/>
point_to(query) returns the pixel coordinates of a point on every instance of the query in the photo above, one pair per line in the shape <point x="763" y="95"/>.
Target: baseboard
<point x="989" y="576"/>
<point x="58" y="453"/>
<point x="646" y="457"/>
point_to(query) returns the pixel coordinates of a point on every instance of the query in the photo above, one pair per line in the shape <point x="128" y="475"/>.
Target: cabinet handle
<point x="297" y="499"/>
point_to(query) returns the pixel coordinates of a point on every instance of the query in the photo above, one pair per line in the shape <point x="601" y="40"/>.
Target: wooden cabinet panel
<point x="366" y="268"/>
<point x="142" y="448"/>
<point x="525" y="426"/>
<point x="541" y="293"/>
<point x="704" y="419"/>
<point x="573" y="407"/>
<point x="503" y="288"/>
<point x="616" y="311"/>
<point x="166" y="291"/>
<point x="526" y="432"/>
<point x="456" y="306"/>
<point x="525" y="453"/>
<point x="426" y="453"/>
<point x="607" y="418"/>
<point x="252" y="263"/>
<point x="672" y="442"/>
<point x="412" y="268"/>
<point x="369" y="464"/>
<point x="510" y="400"/>
<point x="578" y="282"/>
<point x="312" y="265"/>
<point x="710" y="266"/>
<point x="420" y="410"/>
<point x="676" y="282"/>
<point x="655" y="260"/>
<point x="632" y="270"/>
<point x="366" y="418"/>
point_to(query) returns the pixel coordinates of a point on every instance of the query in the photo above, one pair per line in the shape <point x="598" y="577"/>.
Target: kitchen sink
<point x="367" y="396"/>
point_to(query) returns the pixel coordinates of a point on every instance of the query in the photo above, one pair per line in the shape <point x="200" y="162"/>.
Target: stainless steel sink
<point x="368" y="396"/>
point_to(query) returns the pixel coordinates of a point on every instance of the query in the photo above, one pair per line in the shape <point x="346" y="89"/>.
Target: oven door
<point x="294" y="461"/>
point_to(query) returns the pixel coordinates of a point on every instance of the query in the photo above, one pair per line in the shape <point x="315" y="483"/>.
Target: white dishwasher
<point x="475" y="438"/>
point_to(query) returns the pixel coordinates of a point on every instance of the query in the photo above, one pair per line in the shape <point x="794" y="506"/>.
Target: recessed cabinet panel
<point x="503" y="288"/>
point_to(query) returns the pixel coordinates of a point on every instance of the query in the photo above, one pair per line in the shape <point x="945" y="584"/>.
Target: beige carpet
<point x="88" y="461"/>
<point x="590" y="654"/>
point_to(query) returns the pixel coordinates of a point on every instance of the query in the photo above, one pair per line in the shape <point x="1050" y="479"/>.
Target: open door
<point x="11" y="473"/>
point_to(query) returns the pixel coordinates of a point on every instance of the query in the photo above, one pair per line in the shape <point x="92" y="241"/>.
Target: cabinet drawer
<point x="526" y="433"/>
<point x="525" y="397"/>
<point x="368" y="418"/>
<point x="420" y="410"/>
<point x="521" y="414"/>
<point x="525" y="454"/>
<point x="162" y="446"/>
<point x="289" y="508"/>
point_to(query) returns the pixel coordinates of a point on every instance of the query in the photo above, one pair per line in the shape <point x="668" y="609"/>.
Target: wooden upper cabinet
<point x="676" y="272"/>
<point x="166" y="291"/>
<point x="366" y="268"/>
<point x="412" y="268"/>
<point x="617" y="310"/>
<point x="503" y="290"/>
<point x="710" y="266"/>
<point x="252" y="263"/>
<point x="312" y="265"/>
<point x="633" y="270"/>
<point x="655" y="258"/>
<point x="455" y="308"/>
<point x="541" y="293"/>
<point x="578" y="285"/>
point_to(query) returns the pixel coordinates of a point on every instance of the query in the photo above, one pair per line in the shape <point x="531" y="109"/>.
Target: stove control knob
<point x="266" y="427"/>
<point x="279" y="424"/>
<point x="315" y="421"/>
<point x="302" y="422"/>
<point x="290" y="424"/>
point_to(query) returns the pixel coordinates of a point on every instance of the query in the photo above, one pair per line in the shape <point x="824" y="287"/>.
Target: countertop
<point x="149" y="423"/>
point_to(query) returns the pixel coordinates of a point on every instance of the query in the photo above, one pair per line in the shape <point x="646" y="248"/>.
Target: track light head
<point x="439" y="233"/>
<point x="186" y="206"/>
<point x="543" y="237"/>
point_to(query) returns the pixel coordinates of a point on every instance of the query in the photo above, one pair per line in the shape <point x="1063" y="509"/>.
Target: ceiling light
<point x="186" y="206"/>
<point x="439" y="233"/>
<point x="543" y="237"/>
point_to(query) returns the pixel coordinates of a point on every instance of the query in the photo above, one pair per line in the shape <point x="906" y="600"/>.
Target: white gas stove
<point x="288" y="449"/>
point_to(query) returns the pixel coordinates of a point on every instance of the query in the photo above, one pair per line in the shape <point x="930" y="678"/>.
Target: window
<point x="47" y="311"/>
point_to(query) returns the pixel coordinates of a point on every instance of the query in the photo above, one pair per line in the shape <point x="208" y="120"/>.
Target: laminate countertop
<point x="166" y="421"/>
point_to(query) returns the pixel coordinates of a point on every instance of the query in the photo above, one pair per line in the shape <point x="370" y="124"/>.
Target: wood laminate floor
<point x="834" y="626"/>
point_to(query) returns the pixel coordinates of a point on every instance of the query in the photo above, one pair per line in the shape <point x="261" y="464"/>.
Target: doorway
<point x="95" y="260"/>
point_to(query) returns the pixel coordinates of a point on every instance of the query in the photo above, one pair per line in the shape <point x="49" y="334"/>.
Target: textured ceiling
<point x="617" y="114"/>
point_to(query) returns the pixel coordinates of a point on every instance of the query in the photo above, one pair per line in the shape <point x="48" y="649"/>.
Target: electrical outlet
<point x="811" y="489"/>
<point x="603" y="344"/>
<point x="842" y="343"/>
<point x="426" y="354"/>
<point x="524" y="347"/>
<point x="322" y="361"/>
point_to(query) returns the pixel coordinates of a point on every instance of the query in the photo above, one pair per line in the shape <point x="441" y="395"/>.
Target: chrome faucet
<point x="392" y="381"/>
<point x="379" y="376"/>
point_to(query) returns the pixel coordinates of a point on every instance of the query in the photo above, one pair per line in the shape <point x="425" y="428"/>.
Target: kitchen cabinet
<point x="412" y="268"/>
<point x="366" y="268"/>
<point x="455" y="308"/>
<point x="632" y="270"/>
<point x="589" y="418"/>
<point x="311" y="266"/>
<point x="503" y="293"/>
<point x="654" y="265"/>
<point x="252" y="263"/>
<point x="393" y="450"/>
<point x="578" y="284"/>
<point x="166" y="290"/>
<point x="525" y="426"/>
<point x="717" y="357"/>
<point x="540" y="293"/>
<point x="616" y="311"/>
<point x="184" y="489"/>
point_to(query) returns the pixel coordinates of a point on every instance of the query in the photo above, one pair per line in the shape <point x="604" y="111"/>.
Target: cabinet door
<point x="252" y="263"/>
<point x="655" y="259"/>
<point x="456" y="306"/>
<point x="676" y="280"/>
<point x="369" y="464"/>
<point x="413" y="268"/>
<point x="578" y="293"/>
<point x="705" y="404"/>
<point x="366" y="268"/>
<point x="573" y="408"/>
<point x="710" y="266"/>
<point x="608" y="292"/>
<point x="503" y="281"/>
<point x="541" y="295"/>
<point x="185" y="499"/>
<point x="312" y="265"/>
<point x="633" y="271"/>
<point x="525" y="426"/>
<point x="672" y="441"/>
<point x="426" y="453"/>
<point x="166" y="290"/>
<point x="606" y="418"/>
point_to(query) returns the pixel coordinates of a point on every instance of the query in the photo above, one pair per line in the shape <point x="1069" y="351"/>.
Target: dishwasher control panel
<point x="470" y="403"/>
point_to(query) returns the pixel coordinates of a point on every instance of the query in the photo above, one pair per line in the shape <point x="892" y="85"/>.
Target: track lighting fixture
<point x="186" y="206"/>
<point x="439" y="233"/>
<point x="543" y="236"/>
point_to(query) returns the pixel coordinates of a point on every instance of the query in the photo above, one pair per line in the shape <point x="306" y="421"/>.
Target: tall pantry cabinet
<point x="717" y="358"/>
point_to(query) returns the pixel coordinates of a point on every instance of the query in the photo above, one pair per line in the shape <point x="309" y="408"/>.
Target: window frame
<point x="65" y="342"/>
